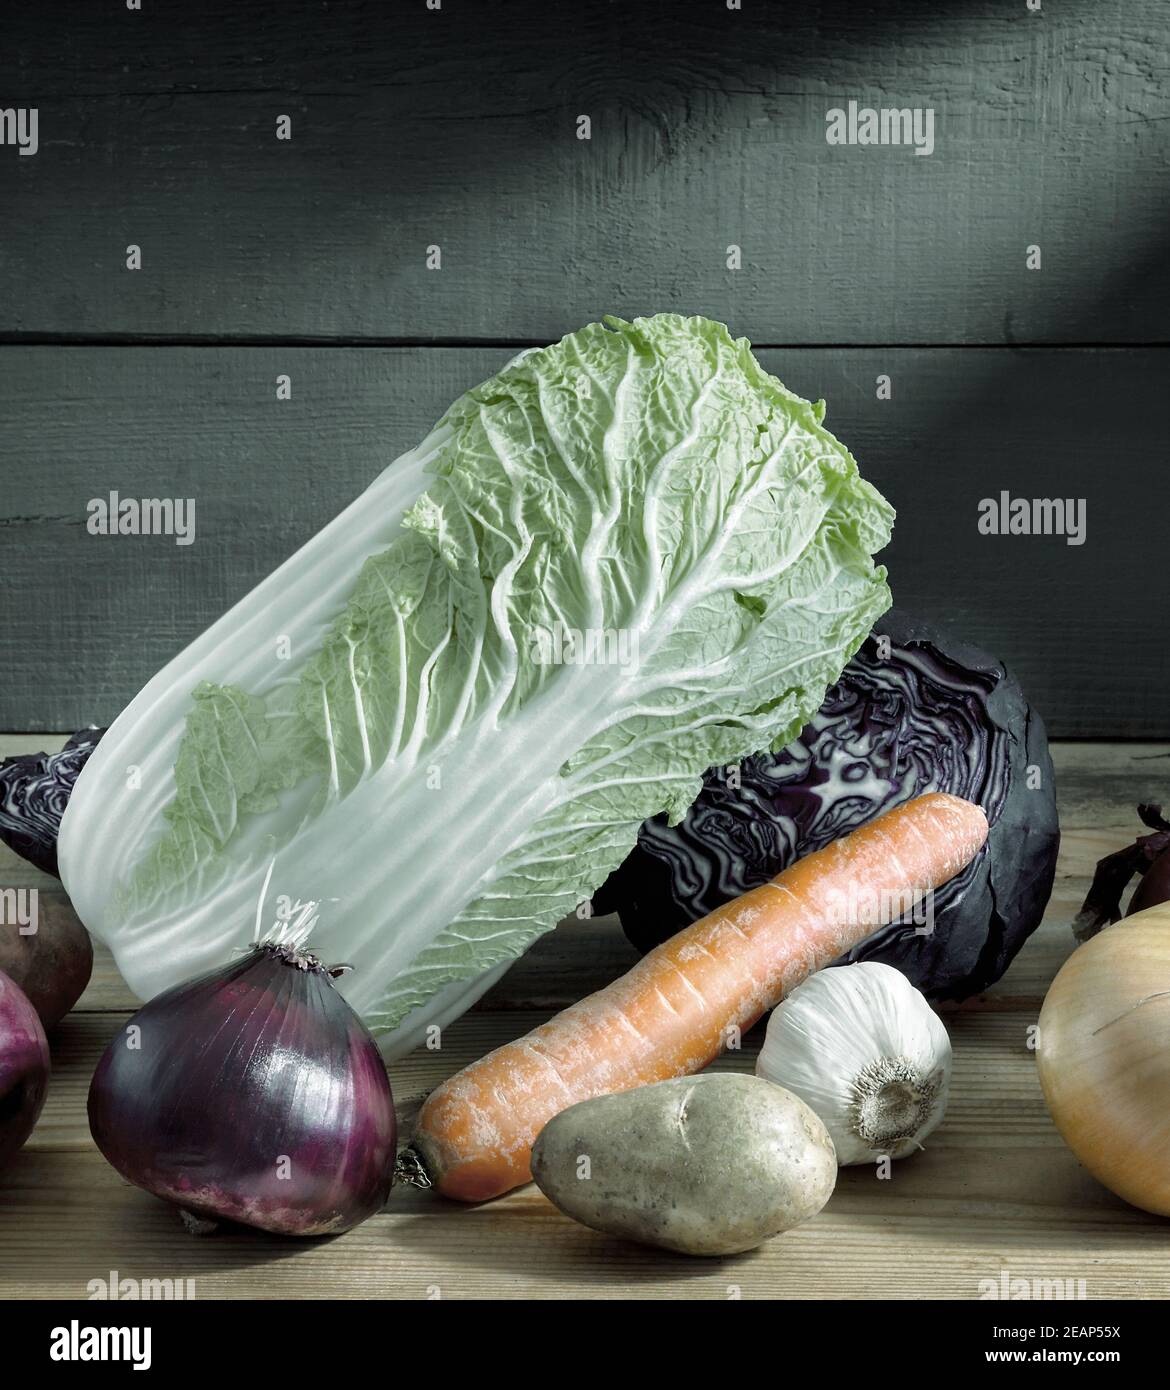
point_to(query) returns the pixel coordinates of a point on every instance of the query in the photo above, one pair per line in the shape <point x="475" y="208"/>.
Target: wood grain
<point x="458" y="128"/>
<point x="996" y="1189"/>
<point x="88" y="619"/>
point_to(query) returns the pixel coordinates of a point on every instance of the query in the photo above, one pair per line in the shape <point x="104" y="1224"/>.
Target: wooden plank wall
<point x="458" y="128"/>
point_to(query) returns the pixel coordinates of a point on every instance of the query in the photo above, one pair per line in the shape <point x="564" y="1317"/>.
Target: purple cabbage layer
<point x="934" y="714"/>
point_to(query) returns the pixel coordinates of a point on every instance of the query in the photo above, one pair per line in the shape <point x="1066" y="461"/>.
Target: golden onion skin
<point x="1104" y="1057"/>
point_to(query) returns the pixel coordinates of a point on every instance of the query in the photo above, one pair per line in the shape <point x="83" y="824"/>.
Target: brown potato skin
<point x="702" y="1165"/>
<point x="51" y="965"/>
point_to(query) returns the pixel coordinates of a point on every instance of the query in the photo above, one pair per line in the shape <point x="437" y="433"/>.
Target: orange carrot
<point x="682" y="1004"/>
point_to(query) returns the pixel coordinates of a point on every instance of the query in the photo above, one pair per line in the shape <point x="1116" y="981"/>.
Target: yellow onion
<point x="1104" y="1057"/>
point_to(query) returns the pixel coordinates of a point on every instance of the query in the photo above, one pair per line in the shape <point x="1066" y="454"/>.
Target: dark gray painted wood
<point x="458" y="128"/>
<point x="84" y="619"/>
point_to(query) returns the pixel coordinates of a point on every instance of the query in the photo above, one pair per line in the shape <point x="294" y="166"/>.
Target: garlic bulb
<point x="862" y="1047"/>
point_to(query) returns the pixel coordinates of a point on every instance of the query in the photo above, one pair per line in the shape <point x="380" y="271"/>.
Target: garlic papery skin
<point x="862" y="1047"/>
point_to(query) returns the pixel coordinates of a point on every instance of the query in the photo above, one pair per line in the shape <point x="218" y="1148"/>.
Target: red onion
<point x="24" y="1067"/>
<point x="254" y="1094"/>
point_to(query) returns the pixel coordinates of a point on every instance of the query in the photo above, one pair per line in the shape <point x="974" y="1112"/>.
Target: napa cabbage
<point x="627" y="557"/>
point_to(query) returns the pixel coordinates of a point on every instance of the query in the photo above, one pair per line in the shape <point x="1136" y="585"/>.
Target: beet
<point x="51" y="965"/>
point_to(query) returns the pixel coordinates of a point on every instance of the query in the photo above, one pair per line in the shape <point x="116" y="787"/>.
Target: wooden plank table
<point x="995" y="1189"/>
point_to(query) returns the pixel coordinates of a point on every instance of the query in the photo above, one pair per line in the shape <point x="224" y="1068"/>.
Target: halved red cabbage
<point x="917" y="712"/>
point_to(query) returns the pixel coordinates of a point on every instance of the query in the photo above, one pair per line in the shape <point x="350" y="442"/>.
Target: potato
<point x="706" y="1165"/>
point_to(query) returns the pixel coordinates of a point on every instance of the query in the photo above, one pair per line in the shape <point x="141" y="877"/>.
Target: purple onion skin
<point x="249" y="1072"/>
<point x="1153" y="886"/>
<point x="24" y="1068"/>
